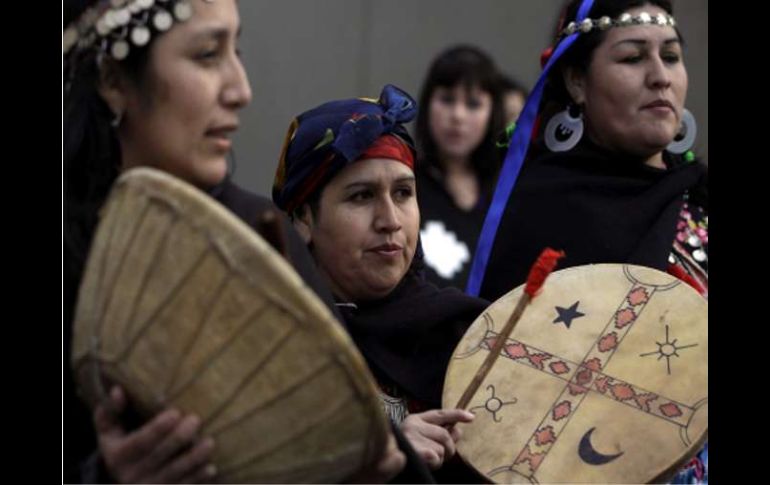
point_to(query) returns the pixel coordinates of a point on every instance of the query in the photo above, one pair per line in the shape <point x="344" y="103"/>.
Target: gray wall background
<point x="301" y="53"/>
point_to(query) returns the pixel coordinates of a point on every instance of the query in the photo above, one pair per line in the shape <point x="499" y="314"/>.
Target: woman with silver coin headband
<point x="115" y="108"/>
<point x="152" y="83"/>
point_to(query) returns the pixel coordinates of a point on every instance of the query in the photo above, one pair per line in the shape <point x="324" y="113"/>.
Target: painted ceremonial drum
<point x="604" y="379"/>
<point x="184" y="305"/>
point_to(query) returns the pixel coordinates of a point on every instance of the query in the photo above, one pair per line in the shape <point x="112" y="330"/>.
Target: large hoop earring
<point x="564" y="130"/>
<point x="685" y="138"/>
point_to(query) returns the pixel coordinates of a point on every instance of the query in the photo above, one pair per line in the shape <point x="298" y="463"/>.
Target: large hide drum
<point x="603" y="380"/>
<point x="184" y="305"/>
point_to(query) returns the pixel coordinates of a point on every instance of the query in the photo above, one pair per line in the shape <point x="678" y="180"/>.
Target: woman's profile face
<point x="181" y="117"/>
<point x="634" y="90"/>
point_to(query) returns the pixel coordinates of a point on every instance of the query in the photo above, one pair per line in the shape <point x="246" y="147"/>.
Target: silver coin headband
<point x="625" y="20"/>
<point x="112" y="26"/>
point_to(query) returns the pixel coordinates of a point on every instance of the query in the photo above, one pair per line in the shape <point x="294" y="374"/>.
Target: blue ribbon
<point x="514" y="159"/>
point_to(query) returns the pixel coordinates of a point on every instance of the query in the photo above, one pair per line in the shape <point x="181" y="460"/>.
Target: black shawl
<point x="597" y="206"/>
<point x="408" y="337"/>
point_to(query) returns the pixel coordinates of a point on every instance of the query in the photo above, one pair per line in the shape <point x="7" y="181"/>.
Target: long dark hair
<point x="91" y="151"/>
<point x="467" y="66"/>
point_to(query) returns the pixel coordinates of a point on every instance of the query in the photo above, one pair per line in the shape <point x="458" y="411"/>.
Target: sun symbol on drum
<point x="667" y="349"/>
<point x="494" y="404"/>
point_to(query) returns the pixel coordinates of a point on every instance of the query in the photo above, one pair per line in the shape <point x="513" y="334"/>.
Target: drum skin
<point x="603" y="380"/>
<point x="184" y="305"/>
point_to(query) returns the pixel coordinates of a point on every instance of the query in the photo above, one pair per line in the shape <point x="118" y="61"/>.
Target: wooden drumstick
<point x="544" y="265"/>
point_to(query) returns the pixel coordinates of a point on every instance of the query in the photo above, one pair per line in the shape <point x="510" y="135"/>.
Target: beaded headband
<point x="625" y="20"/>
<point x="112" y="26"/>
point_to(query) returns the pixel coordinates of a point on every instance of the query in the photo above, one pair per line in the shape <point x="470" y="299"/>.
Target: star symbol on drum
<point x="566" y="315"/>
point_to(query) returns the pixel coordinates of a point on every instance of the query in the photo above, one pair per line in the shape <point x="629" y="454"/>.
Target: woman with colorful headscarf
<point x="155" y="84"/>
<point x="609" y="177"/>
<point x="346" y="177"/>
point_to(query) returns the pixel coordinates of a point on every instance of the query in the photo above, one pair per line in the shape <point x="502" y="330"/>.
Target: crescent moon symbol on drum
<point x="589" y="455"/>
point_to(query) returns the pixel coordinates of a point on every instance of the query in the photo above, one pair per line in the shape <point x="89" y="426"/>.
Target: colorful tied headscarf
<point x="323" y="141"/>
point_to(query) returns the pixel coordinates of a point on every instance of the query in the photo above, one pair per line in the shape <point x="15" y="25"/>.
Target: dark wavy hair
<point x="91" y="151"/>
